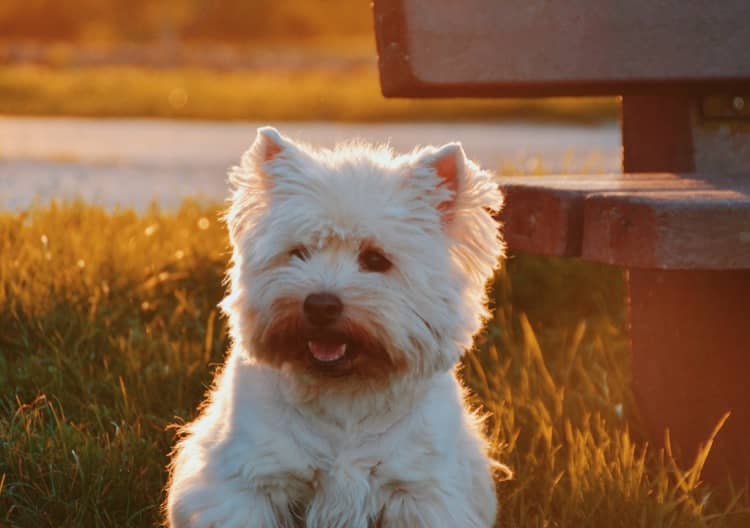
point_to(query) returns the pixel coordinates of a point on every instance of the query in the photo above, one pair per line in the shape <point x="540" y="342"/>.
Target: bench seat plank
<point x="553" y="48"/>
<point x="661" y="220"/>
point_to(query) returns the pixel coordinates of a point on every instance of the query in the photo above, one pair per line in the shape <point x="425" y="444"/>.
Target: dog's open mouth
<point x="326" y="352"/>
<point x="336" y="352"/>
<point x="330" y="353"/>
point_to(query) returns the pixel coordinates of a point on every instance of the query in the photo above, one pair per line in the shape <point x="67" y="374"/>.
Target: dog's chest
<point x="355" y="450"/>
<point x="351" y="464"/>
<point x="356" y="469"/>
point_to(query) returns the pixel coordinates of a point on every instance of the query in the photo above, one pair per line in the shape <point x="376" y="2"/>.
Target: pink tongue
<point x="326" y="351"/>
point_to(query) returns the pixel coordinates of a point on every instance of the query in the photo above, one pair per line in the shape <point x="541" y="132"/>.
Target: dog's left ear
<point x="448" y="163"/>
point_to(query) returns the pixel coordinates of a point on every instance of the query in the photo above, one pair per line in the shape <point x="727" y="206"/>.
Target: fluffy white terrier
<point x="358" y="280"/>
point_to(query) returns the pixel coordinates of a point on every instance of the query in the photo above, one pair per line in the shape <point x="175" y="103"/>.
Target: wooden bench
<point x="678" y="218"/>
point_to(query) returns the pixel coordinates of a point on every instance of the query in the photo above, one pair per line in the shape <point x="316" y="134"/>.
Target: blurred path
<point x="129" y="162"/>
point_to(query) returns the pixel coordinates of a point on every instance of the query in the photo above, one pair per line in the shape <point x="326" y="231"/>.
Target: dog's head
<point x="355" y="266"/>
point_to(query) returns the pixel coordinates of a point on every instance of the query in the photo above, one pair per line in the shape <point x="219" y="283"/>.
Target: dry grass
<point x="110" y="333"/>
<point x="308" y="94"/>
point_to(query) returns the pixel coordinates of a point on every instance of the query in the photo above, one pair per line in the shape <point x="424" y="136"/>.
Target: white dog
<point x="358" y="280"/>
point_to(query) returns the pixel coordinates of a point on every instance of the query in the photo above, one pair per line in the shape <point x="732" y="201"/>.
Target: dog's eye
<point x="372" y="260"/>
<point x="300" y="253"/>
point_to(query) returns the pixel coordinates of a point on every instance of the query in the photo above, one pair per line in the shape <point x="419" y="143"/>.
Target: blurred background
<point x="223" y="68"/>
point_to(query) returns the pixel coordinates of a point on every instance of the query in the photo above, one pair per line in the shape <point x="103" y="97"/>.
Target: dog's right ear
<point x="269" y="144"/>
<point x="269" y="156"/>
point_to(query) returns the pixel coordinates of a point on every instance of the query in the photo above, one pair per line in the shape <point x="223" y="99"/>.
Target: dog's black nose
<point x="322" y="309"/>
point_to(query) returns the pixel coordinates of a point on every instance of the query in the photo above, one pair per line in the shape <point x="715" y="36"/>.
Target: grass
<point x="110" y="334"/>
<point x="349" y="93"/>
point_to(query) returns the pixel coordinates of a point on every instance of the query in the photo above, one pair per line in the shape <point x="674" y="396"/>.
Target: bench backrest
<point x="562" y="47"/>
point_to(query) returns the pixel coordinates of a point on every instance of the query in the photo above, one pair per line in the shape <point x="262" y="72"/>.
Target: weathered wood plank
<point x="551" y="48"/>
<point x="661" y="221"/>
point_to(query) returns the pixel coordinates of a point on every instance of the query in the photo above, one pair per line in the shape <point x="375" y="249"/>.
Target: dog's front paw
<point x="404" y="511"/>
<point x="426" y="509"/>
<point x="219" y="507"/>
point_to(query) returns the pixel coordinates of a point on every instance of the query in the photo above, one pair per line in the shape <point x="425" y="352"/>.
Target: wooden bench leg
<point x="690" y="335"/>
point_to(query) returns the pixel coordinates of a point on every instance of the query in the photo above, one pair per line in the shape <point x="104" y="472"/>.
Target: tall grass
<point x="109" y="333"/>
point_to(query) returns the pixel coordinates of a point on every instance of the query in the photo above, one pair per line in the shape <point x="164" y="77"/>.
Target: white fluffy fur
<point x="275" y="446"/>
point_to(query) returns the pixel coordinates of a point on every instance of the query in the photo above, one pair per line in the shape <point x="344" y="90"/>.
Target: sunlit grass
<point x="110" y="333"/>
<point x="347" y="94"/>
